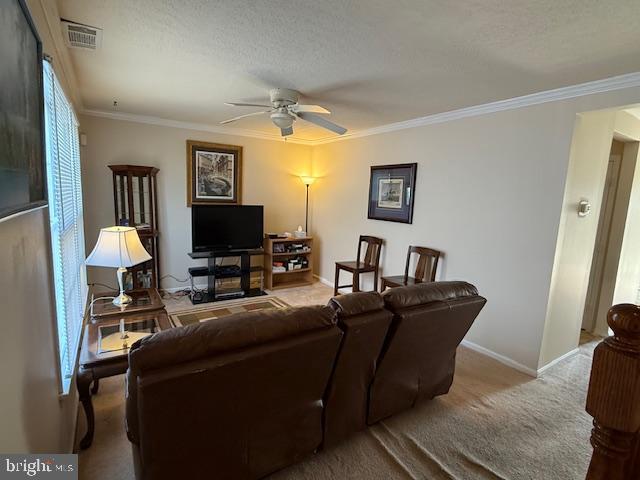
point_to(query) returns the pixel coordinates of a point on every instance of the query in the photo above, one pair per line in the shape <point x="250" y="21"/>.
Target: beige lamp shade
<point x="118" y="247"/>
<point x="307" y="180"/>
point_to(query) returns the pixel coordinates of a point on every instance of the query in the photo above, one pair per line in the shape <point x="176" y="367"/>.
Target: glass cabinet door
<point x="134" y="198"/>
<point x="121" y="200"/>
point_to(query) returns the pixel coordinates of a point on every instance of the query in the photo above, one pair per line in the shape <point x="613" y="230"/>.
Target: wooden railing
<point x="613" y="399"/>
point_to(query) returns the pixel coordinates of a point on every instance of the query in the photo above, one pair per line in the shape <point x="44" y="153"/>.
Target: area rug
<point x="222" y="309"/>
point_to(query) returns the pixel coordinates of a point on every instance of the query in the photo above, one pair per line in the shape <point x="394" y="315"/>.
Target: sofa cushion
<point x="356" y="303"/>
<point x="241" y="330"/>
<point x="424" y="293"/>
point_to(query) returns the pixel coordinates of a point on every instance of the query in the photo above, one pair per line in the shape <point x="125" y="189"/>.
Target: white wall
<point x="576" y="239"/>
<point x="33" y="417"/>
<point x="270" y="173"/>
<point x="489" y="194"/>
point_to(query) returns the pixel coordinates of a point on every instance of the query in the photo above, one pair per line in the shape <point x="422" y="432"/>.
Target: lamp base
<point x="122" y="300"/>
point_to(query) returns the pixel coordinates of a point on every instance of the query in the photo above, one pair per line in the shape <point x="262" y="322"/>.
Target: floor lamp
<point x="307" y="181"/>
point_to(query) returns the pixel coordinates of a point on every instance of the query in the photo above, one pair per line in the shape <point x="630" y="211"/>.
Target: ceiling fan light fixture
<point x="282" y="120"/>
<point x="285" y="110"/>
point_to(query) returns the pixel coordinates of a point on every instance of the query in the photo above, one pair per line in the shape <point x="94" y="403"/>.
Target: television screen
<point x="222" y="227"/>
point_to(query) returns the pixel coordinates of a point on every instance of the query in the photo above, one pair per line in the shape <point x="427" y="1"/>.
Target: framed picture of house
<point x="22" y="170"/>
<point x="391" y="192"/>
<point x="213" y="173"/>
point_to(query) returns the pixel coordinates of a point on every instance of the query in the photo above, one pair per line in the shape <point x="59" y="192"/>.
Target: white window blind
<point x="67" y="228"/>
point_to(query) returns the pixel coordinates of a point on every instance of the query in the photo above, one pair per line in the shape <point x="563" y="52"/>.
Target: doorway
<point x="610" y="235"/>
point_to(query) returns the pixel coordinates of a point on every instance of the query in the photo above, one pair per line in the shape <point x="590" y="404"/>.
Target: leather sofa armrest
<point x="356" y="303"/>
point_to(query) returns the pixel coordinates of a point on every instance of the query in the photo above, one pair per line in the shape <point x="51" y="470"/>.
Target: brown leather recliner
<point x="365" y="322"/>
<point x="234" y="398"/>
<point x="418" y="358"/>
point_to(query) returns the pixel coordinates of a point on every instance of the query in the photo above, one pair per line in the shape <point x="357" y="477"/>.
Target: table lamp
<point x="118" y="247"/>
<point x="307" y="181"/>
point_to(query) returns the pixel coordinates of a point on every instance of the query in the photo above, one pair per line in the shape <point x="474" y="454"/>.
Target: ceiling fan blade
<point x="322" y="122"/>
<point x="309" y="108"/>
<point x="286" y="131"/>
<point x="233" y="104"/>
<point x="243" y="116"/>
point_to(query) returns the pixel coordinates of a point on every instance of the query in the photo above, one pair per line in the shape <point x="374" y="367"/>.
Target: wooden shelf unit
<point x="290" y="278"/>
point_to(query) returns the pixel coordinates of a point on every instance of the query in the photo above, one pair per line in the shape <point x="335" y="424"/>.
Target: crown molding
<point x="619" y="82"/>
<point x="164" y="122"/>
<point x="62" y="64"/>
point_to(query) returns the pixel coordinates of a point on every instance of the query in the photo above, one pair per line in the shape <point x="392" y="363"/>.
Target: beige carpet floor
<point x="495" y="423"/>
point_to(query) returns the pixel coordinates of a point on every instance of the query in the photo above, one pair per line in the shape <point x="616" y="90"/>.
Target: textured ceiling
<point x="370" y="62"/>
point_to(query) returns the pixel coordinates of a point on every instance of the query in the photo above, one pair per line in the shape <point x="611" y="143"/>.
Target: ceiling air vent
<point x="78" y="35"/>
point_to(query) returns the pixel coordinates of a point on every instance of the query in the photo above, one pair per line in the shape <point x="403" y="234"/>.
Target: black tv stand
<point x="214" y="272"/>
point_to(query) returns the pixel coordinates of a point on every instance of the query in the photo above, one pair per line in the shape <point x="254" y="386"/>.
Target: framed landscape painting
<point x="213" y="173"/>
<point x="22" y="173"/>
<point x="391" y="192"/>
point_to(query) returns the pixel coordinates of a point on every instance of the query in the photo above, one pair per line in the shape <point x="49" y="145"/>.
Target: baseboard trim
<point x="561" y="358"/>
<point x="500" y="358"/>
<point x="475" y="347"/>
<point x="328" y="283"/>
<point x="323" y="280"/>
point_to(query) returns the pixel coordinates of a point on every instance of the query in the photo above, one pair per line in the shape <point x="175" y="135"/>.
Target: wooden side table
<point x="100" y="359"/>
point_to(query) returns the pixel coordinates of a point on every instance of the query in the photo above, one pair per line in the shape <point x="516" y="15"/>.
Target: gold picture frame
<point x="214" y="173"/>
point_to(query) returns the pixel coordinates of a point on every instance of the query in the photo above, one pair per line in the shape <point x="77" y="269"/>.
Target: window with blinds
<point x="67" y="228"/>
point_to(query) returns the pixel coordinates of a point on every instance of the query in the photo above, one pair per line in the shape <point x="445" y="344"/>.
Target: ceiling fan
<point x="285" y="109"/>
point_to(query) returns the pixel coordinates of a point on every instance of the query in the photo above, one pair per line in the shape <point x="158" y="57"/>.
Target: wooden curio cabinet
<point x="136" y="205"/>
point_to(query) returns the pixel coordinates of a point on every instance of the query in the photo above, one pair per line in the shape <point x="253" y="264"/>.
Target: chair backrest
<point x="372" y="253"/>
<point x="426" y="265"/>
<point x="223" y="397"/>
<point x="418" y="358"/>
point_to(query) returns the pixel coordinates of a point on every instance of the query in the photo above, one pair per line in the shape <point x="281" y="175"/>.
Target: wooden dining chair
<point x="370" y="263"/>
<point x="426" y="267"/>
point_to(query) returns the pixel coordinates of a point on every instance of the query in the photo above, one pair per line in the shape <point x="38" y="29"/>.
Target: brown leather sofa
<point x="251" y="393"/>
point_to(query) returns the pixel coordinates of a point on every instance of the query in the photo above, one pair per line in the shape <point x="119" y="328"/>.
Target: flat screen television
<point x="226" y="227"/>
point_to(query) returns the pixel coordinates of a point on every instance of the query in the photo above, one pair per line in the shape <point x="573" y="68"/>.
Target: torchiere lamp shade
<point x="118" y="247"/>
<point x="308" y="180"/>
